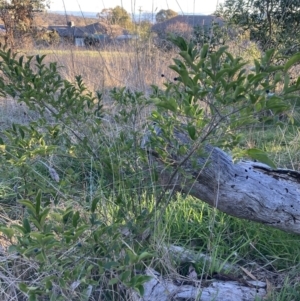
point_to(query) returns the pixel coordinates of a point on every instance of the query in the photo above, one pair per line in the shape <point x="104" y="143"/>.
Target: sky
<point x="133" y="6"/>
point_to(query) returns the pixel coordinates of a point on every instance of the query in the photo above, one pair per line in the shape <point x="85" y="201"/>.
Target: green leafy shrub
<point x="215" y="97"/>
<point x="85" y="191"/>
<point x="77" y="217"/>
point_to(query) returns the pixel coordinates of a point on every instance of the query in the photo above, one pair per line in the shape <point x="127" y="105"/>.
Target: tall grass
<point x="136" y="66"/>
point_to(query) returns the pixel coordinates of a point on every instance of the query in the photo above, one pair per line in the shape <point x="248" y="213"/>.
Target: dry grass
<point x="135" y="66"/>
<point x="14" y="112"/>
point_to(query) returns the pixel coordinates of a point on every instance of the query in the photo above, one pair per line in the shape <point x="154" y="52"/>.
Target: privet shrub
<point x="84" y="190"/>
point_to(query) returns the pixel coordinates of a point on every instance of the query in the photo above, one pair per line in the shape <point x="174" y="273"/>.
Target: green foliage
<point x="228" y="240"/>
<point x="165" y="14"/>
<point x="143" y="29"/>
<point x="17" y="17"/>
<point x="64" y="149"/>
<point x="46" y="38"/>
<point x="56" y="238"/>
<point x="63" y="108"/>
<point x="259" y="155"/>
<point x="215" y="95"/>
<point x="269" y="22"/>
<point x="214" y="35"/>
<point x="116" y="16"/>
<point x="82" y="186"/>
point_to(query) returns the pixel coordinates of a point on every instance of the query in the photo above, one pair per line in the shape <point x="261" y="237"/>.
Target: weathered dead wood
<point x="163" y="289"/>
<point x="247" y="190"/>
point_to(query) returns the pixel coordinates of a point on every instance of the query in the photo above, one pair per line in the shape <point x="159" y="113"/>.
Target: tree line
<point x="268" y="22"/>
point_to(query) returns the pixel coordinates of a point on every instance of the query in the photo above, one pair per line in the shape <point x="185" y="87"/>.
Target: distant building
<point x="185" y="23"/>
<point x="96" y="33"/>
<point x="78" y="34"/>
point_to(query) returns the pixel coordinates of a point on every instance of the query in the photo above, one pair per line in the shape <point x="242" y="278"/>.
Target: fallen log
<point x="163" y="289"/>
<point x="247" y="190"/>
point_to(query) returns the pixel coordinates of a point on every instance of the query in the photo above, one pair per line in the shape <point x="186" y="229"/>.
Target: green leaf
<point x="26" y="225"/>
<point x="261" y="156"/>
<point x="38" y="202"/>
<point x="274" y="68"/>
<point x="141" y="279"/>
<point x="213" y="60"/>
<point x="277" y="105"/>
<point x="210" y="73"/>
<point x="268" y="56"/>
<point x="111" y="264"/>
<point x="286" y="82"/>
<point x="192" y="131"/>
<point x="221" y="73"/>
<point x="257" y="66"/>
<point x="62" y="282"/>
<point x="113" y="281"/>
<point x="292" y="61"/>
<point x="179" y="41"/>
<point x="75" y="220"/>
<point x="67" y="215"/>
<point x="187" y="57"/>
<point x="7" y="231"/>
<point x="94" y="204"/>
<point x="169" y="104"/>
<point x="79" y="231"/>
<point x="21" y="132"/>
<point x="144" y="255"/>
<point x="19" y="228"/>
<point x="256" y="78"/>
<point x="204" y="51"/>
<point x="43" y="216"/>
<point x="48" y="284"/>
<point x="38" y="236"/>
<point x="29" y="205"/>
<point x="49" y="240"/>
<point x="131" y="257"/>
<point x="140" y="289"/>
<point x="125" y="276"/>
<point x="37" y="224"/>
<point x="32" y="297"/>
<point x="23" y="287"/>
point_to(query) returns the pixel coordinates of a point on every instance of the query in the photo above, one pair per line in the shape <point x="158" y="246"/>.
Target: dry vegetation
<point x="135" y="66"/>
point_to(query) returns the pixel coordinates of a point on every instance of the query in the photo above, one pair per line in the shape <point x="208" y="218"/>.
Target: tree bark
<point x="247" y="190"/>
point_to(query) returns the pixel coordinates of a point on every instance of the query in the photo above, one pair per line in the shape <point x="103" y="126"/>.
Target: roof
<point x="191" y="20"/>
<point x="88" y="30"/>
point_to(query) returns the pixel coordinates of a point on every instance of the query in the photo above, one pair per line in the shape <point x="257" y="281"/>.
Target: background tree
<point x="165" y="14"/>
<point x="143" y="29"/>
<point x="17" y="16"/>
<point x="116" y="16"/>
<point x="271" y="23"/>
